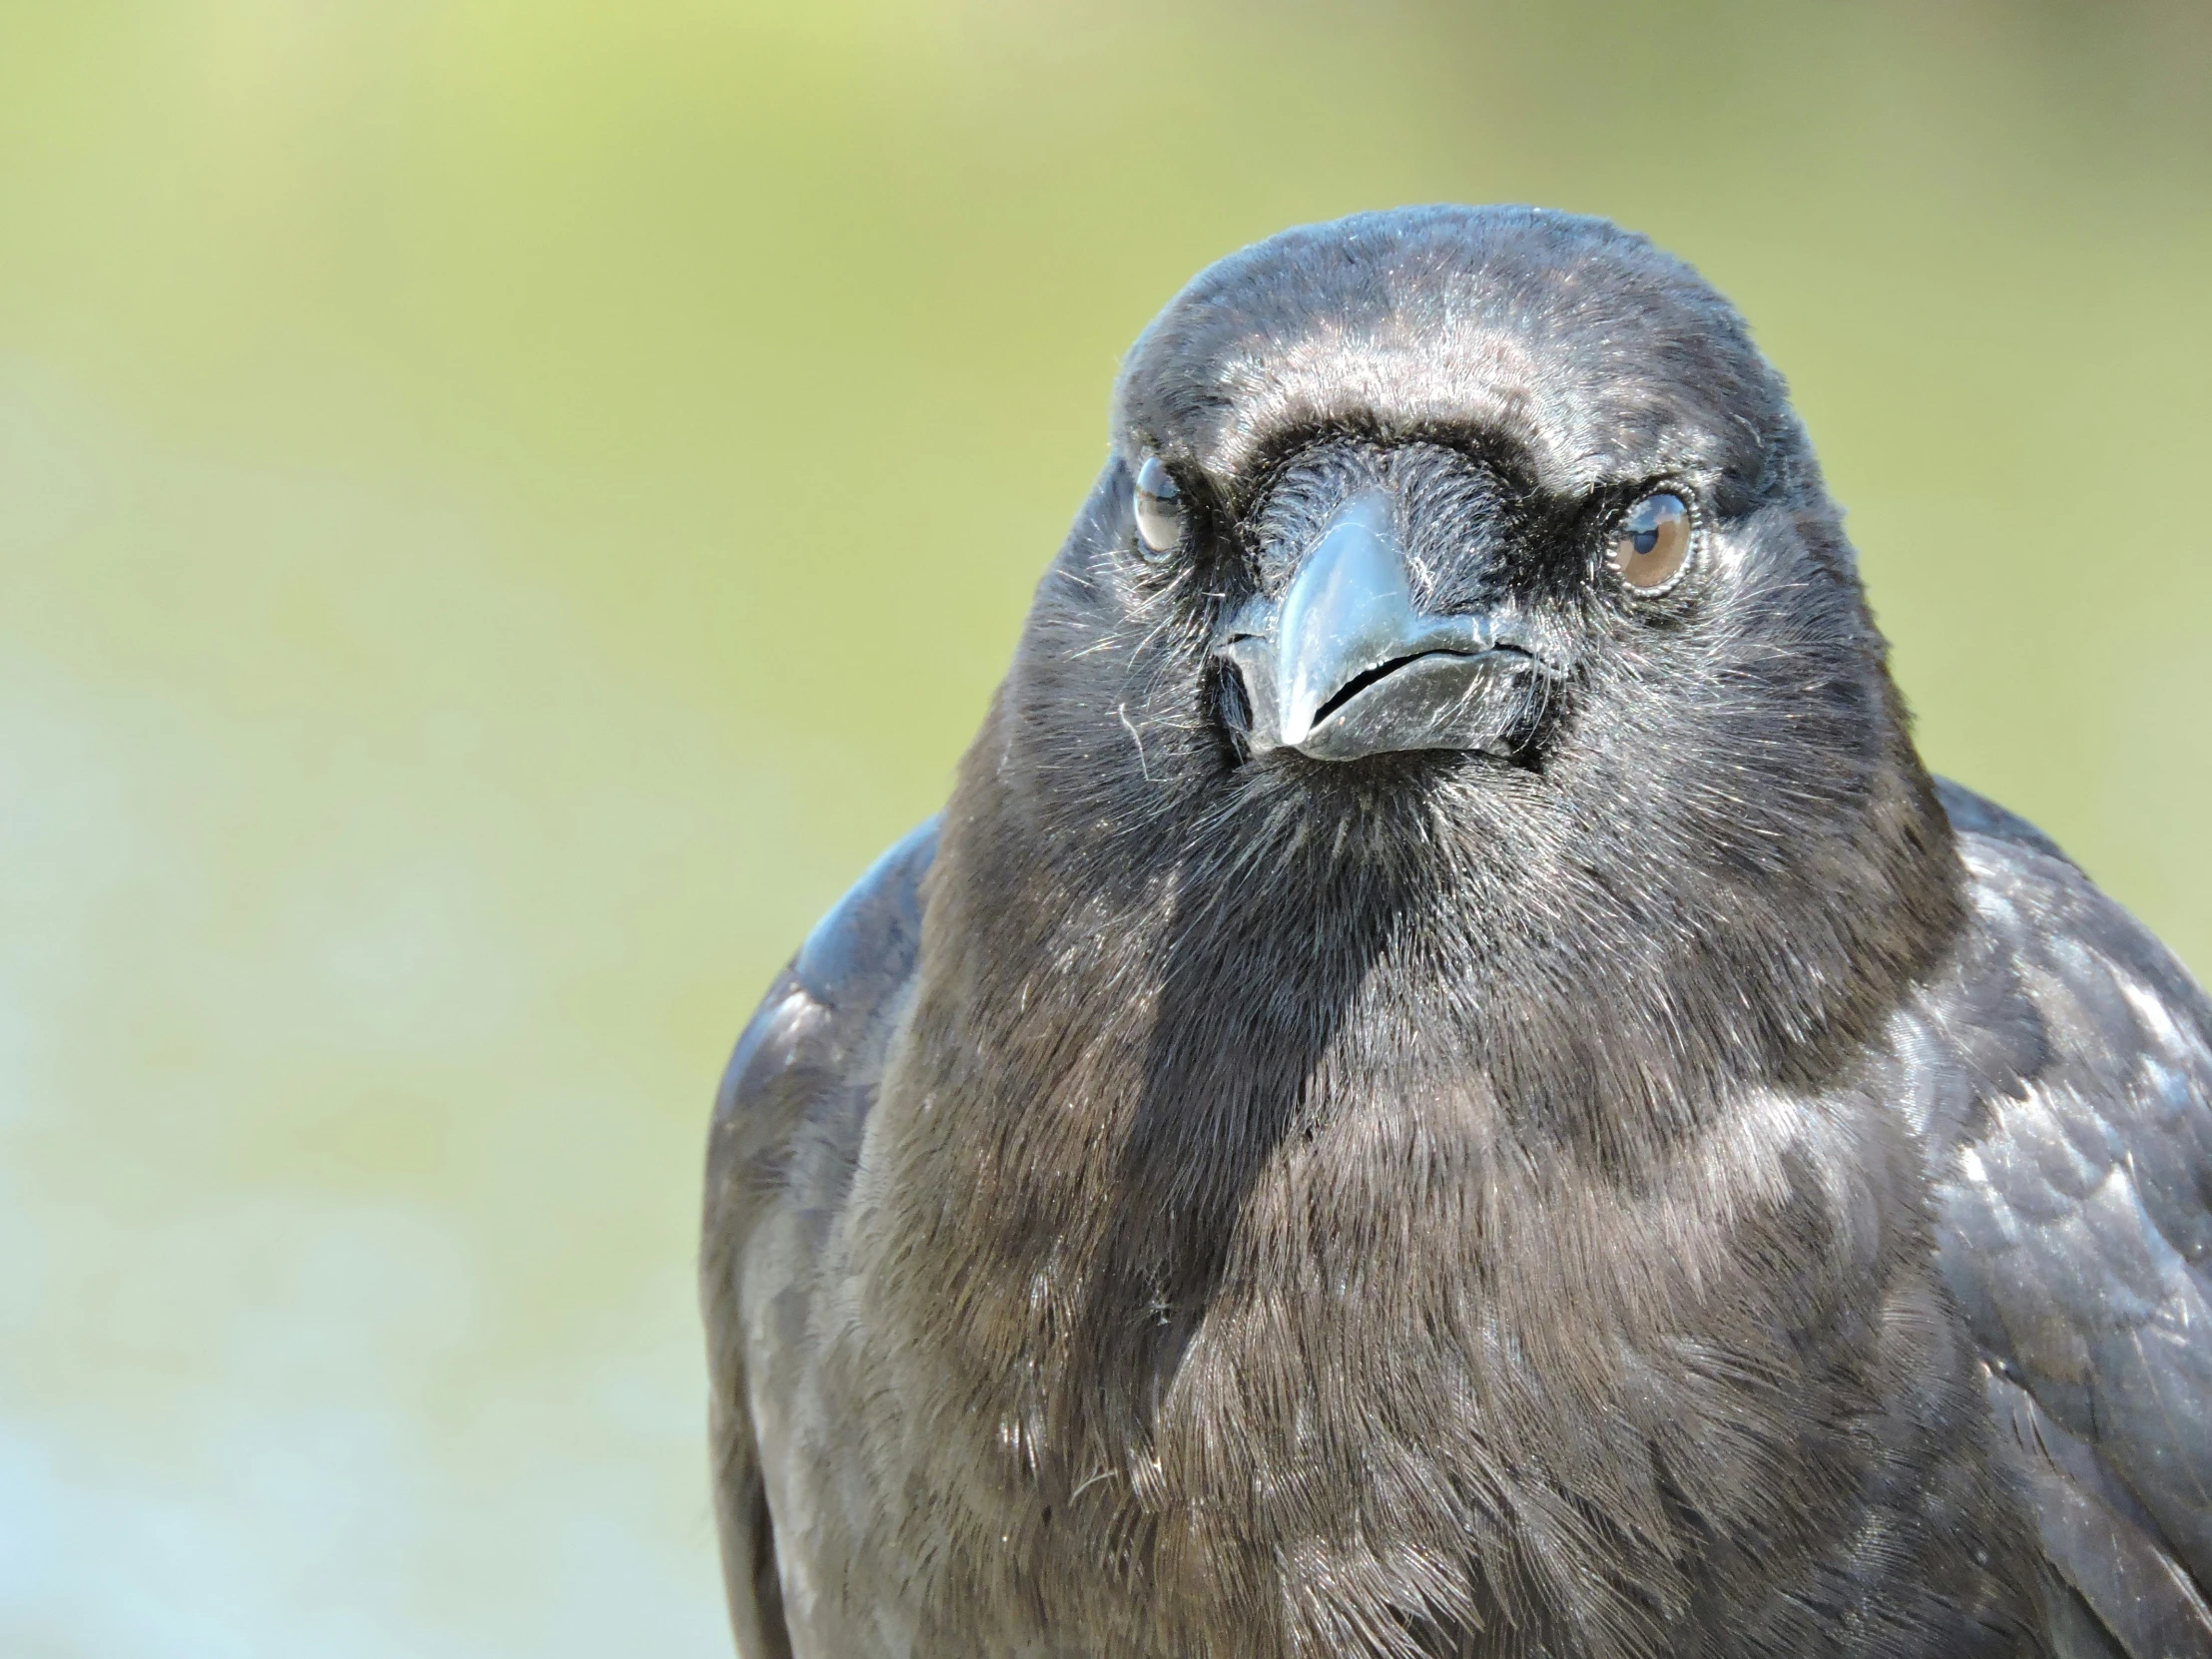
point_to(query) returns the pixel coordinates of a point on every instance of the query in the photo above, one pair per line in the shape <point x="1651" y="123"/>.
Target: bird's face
<point x="1475" y="555"/>
<point x="1420" y="596"/>
<point x="1510" y="491"/>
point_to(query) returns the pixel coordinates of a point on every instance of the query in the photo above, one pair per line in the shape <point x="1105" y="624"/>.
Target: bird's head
<point x="1472" y="559"/>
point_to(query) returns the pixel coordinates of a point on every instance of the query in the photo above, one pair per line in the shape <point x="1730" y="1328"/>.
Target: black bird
<point x="1448" y="1083"/>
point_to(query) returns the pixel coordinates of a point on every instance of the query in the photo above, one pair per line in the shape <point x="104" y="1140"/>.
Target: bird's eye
<point x="1159" y="509"/>
<point x="1652" y="542"/>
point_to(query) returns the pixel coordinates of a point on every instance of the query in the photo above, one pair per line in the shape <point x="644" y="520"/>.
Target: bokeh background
<point x="505" y="506"/>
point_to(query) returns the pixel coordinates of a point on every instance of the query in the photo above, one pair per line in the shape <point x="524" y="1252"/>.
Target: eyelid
<point x="1157" y="501"/>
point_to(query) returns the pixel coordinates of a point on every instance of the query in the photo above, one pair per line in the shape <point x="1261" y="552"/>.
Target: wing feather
<point x="786" y="1127"/>
<point x="2075" y="1189"/>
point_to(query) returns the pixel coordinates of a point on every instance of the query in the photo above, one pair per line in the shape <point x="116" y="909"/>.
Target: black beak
<point x="1344" y="665"/>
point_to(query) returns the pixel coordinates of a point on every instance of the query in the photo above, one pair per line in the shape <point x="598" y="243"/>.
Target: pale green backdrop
<point x="505" y="505"/>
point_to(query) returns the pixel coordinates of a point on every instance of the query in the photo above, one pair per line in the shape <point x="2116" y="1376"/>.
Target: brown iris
<point x="1651" y="542"/>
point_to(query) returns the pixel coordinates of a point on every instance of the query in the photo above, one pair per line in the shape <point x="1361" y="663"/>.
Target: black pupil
<point x="1643" y="541"/>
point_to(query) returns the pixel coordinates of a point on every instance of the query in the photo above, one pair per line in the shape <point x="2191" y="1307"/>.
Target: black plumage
<point x="1448" y="1083"/>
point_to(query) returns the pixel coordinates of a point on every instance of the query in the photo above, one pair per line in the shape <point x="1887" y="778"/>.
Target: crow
<point x="1447" y="1082"/>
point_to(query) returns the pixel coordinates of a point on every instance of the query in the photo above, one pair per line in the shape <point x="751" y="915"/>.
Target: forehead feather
<point x="1599" y="357"/>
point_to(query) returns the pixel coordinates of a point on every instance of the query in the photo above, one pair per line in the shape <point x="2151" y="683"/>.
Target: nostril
<point x="1233" y="700"/>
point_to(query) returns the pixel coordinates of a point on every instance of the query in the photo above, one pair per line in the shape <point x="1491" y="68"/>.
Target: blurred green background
<point x="505" y="505"/>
